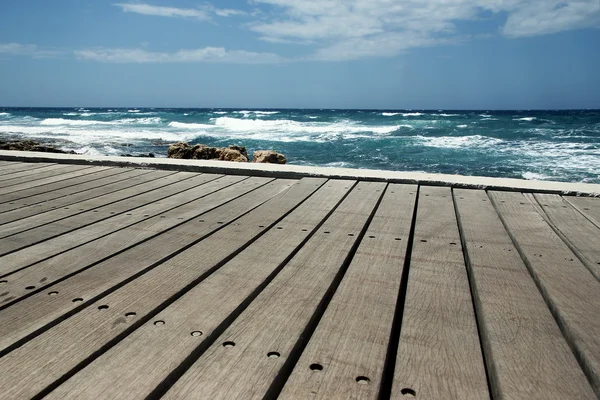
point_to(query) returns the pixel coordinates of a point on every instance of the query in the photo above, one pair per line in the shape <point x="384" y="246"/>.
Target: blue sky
<point x="396" y="54"/>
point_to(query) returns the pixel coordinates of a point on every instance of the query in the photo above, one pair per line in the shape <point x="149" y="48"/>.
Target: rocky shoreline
<point x="31" y="145"/>
<point x="181" y="150"/>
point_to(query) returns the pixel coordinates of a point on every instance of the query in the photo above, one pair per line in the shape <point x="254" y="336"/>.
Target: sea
<point x="540" y="145"/>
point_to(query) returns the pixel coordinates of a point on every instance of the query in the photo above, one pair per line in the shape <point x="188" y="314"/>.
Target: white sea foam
<point x="70" y="114"/>
<point x="485" y="115"/>
<point x="446" y="115"/>
<point x="535" y="176"/>
<point x="339" y="164"/>
<point x="247" y="113"/>
<point x="4" y="114"/>
<point x="389" y="114"/>
<point x="73" y="122"/>
<point x="559" y="158"/>
<point x="266" y="112"/>
<point x="134" y="111"/>
<point x="461" y="126"/>
<point x="312" y="117"/>
<point x="78" y="122"/>
<point x="525" y="119"/>
<point x="288" y="130"/>
<point x="89" y="136"/>
<point x="458" y="142"/>
<point x="221" y="112"/>
<point x="414" y="114"/>
<point x="182" y="125"/>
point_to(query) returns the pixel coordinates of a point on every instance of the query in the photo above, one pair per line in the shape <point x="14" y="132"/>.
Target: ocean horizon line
<point x="309" y="109"/>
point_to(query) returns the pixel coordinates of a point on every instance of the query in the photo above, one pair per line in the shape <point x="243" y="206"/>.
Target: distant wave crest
<point x="457" y="142"/>
<point x="182" y="125"/>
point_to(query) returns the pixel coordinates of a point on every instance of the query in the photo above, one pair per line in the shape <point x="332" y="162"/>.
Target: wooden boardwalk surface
<point x="122" y="283"/>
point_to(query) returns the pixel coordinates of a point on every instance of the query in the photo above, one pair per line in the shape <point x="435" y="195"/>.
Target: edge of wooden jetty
<point x="300" y="171"/>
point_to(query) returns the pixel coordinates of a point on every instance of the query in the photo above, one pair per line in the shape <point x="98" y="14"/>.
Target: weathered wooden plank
<point x="569" y="288"/>
<point x="7" y="163"/>
<point x="111" y="187"/>
<point x="42" y="180"/>
<point x="148" y="355"/>
<point x="161" y="283"/>
<point x="60" y="197"/>
<point x="439" y="354"/>
<point x="238" y="365"/>
<point x="527" y="356"/>
<point x="161" y="179"/>
<point x="41" y="309"/>
<point x="351" y="340"/>
<point x="88" y="245"/>
<point x="31" y="230"/>
<point x="31" y="177"/>
<point x="99" y="241"/>
<point x="588" y="206"/>
<point x="27" y="217"/>
<point x="578" y="232"/>
<point x="68" y="186"/>
<point x="12" y="168"/>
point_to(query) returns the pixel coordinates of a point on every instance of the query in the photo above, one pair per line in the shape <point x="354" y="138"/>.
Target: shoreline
<point x="296" y="172"/>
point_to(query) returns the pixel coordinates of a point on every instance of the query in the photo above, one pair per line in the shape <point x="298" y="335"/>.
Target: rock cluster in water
<point x="184" y="150"/>
<point x="30" y="145"/>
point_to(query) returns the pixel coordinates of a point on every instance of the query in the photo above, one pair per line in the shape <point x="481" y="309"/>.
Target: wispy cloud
<point x="203" y="13"/>
<point x="30" y="50"/>
<point x="147" y="9"/>
<point x="207" y="54"/>
<point x="352" y="29"/>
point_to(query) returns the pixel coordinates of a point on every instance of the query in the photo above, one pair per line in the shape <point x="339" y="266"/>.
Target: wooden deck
<point x="122" y="283"/>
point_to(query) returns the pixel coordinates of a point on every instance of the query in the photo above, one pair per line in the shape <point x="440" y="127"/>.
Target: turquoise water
<point x="552" y="145"/>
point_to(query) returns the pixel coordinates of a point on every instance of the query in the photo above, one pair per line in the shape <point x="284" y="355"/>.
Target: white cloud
<point x="203" y="13"/>
<point x="548" y="17"/>
<point x="147" y="9"/>
<point x="30" y="50"/>
<point x="207" y="54"/>
<point x="351" y="29"/>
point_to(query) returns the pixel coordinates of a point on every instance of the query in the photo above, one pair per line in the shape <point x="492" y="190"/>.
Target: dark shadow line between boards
<point x="389" y="366"/>
<point x="488" y="366"/>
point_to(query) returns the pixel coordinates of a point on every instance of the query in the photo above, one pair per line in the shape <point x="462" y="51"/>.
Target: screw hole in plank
<point x="316" y="367"/>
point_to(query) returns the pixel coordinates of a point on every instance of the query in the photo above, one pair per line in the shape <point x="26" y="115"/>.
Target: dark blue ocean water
<point x="552" y="145"/>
